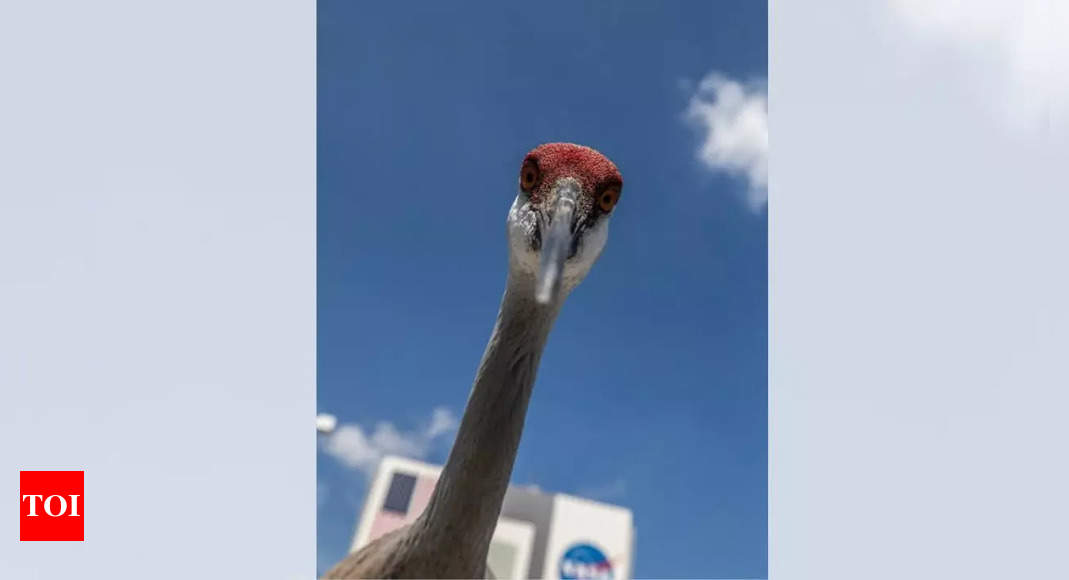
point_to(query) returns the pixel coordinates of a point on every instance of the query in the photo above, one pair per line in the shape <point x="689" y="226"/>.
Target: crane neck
<point x="463" y="511"/>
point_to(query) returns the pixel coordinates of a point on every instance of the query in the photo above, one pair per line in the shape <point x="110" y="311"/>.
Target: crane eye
<point x="528" y="176"/>
<point x="608" y="198"/>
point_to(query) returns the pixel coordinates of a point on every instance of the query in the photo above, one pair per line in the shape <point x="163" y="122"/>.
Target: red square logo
<point x="52" y="506"/>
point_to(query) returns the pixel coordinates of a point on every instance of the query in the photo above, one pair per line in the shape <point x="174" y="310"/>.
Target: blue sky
<point x="652" y="390"/>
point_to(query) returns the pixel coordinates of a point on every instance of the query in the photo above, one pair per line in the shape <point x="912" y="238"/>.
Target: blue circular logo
<point x="585" y="562"/>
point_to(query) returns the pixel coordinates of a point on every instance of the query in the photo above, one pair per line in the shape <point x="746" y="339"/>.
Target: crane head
<point x="559" y="221"/>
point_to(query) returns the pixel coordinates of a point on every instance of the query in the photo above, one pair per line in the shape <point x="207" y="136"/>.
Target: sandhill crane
<point x="557" y="227"/>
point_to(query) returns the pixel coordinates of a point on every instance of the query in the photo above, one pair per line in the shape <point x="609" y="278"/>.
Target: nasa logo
<point x="585" y="562"/>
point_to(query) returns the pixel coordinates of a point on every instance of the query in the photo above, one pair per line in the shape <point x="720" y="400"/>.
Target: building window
<point x="400" y="493"/>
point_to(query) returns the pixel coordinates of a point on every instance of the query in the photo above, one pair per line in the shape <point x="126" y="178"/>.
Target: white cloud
<point x="359" y="448"/>
<point x="325" y="422"/>
<point x="1022" y="44"/>
<point x="734" y="117"/>
<point x="442" y="421"/>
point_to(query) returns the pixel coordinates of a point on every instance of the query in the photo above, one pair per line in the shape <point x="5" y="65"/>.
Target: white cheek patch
<point x="590" y="247"/>
<point x="522" y="224"/>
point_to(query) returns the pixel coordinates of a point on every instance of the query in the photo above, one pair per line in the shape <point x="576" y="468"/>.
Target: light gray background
<point x="157" y="283"/>
<point x="157" y="290"/>
<point x="919" y="350"/>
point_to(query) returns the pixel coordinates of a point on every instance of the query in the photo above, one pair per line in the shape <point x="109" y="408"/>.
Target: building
<point x="538" y="535"/>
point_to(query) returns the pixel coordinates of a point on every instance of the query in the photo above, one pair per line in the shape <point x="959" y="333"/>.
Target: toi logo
<point x="585" y="562"/>
<point x="51" y="506"/>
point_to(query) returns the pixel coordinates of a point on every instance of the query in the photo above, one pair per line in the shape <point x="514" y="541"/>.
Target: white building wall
<point x="581" y="522"/>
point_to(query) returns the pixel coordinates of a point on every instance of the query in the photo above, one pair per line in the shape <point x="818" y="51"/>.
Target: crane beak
<point x="556" y="241"/>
